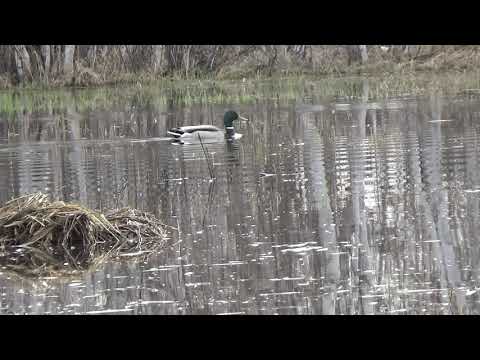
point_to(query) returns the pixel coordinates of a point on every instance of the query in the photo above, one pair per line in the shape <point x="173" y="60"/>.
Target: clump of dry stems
<point x="38" y="235"/>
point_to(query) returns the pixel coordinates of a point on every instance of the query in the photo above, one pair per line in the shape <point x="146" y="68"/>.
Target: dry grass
<point x="5" y="82"/>
<point x="87" y="77"/>
<point x="38" y="236"/>
<point x="453" y="59"/>
<point x="114" y="65"/>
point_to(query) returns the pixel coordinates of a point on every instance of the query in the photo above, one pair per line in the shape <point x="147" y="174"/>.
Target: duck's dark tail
<point x="175" y="132"/>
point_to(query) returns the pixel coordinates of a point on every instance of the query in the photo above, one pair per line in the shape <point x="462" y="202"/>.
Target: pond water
<point x="329" y="204"/>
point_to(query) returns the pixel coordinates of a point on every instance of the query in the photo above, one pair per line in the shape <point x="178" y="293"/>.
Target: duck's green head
<point x="229" y="117"/>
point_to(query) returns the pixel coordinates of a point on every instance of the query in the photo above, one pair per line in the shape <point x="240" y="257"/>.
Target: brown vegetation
<point x="84" y="65"/>
<point x="37" y="235"/>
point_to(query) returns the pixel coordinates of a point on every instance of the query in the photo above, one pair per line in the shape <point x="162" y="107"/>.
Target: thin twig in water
<point x="119" y="193"/>
<point x="207" y="158"/>
<point x="211" y="194"/>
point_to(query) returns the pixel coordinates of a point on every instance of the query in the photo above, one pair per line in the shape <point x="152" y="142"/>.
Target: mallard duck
<point x="208" y="133"/>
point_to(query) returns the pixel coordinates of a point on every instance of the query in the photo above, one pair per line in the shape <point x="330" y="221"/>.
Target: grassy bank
<point x="54" y="66"/>
<point x="158" y="93"/>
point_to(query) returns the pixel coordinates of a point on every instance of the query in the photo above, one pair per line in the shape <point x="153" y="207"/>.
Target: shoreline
<point x="130" y="80"/>
<point x="213" y="91"/>
<point x="460" y="61"/>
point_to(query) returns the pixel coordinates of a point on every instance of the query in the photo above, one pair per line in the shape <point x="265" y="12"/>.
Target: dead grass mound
<point x="37" y="235"/>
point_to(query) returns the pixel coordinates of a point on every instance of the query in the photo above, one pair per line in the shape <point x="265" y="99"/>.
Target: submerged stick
<point x="211" y="194"/>
<point x="207" y="158"/>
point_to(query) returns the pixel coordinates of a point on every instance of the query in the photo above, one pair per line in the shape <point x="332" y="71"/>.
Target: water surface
<point x="328" y="204"/>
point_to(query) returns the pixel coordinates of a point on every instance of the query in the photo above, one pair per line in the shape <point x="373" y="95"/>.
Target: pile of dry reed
<point x="37" y="235"/>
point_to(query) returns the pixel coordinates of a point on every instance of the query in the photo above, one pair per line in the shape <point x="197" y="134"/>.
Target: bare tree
<point x="46" y="61"/>
<point x="64" y="63"/>
<point x="363" y="53"/>
<point x="22" y="62"/>
<point x="356" y="53"/>
<point x="68" y="60"/>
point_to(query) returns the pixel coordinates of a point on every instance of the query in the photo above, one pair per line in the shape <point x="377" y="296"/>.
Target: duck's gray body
<point x="207" y="133"/>
<point x="195" y="130"/>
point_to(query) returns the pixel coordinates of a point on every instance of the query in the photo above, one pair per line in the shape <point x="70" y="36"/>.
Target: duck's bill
<point x="243" y="118"/>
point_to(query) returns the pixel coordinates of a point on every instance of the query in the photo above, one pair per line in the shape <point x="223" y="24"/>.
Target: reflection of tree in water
<point x="401" y="191"/>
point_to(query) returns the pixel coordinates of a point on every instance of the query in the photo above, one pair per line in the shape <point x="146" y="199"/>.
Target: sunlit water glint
<point x="327" y="205"/>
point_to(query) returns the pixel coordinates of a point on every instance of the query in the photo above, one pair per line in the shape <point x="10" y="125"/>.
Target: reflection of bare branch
<point x="211" y="194"/>
<point x="207" y="158"/>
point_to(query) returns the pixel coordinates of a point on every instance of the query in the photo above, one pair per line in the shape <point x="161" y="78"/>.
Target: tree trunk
<point x="92" y="55"/>
<point x="104" y="51"/>
<point x="36" y="62"/>
<point x="46" y="61"/>
<point x="363" y="53"/>
<point x="54" y="60"/>
<point x="357" y="53"/>
<point x="174" y="57"/>
<point x="22" y="63"/>
<point x="186" y="59"/>
<point x="157" y="61"/>
<point x="68" y="62"/>
<point x="123" y="54"/>
<point x="18" y="66"/>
